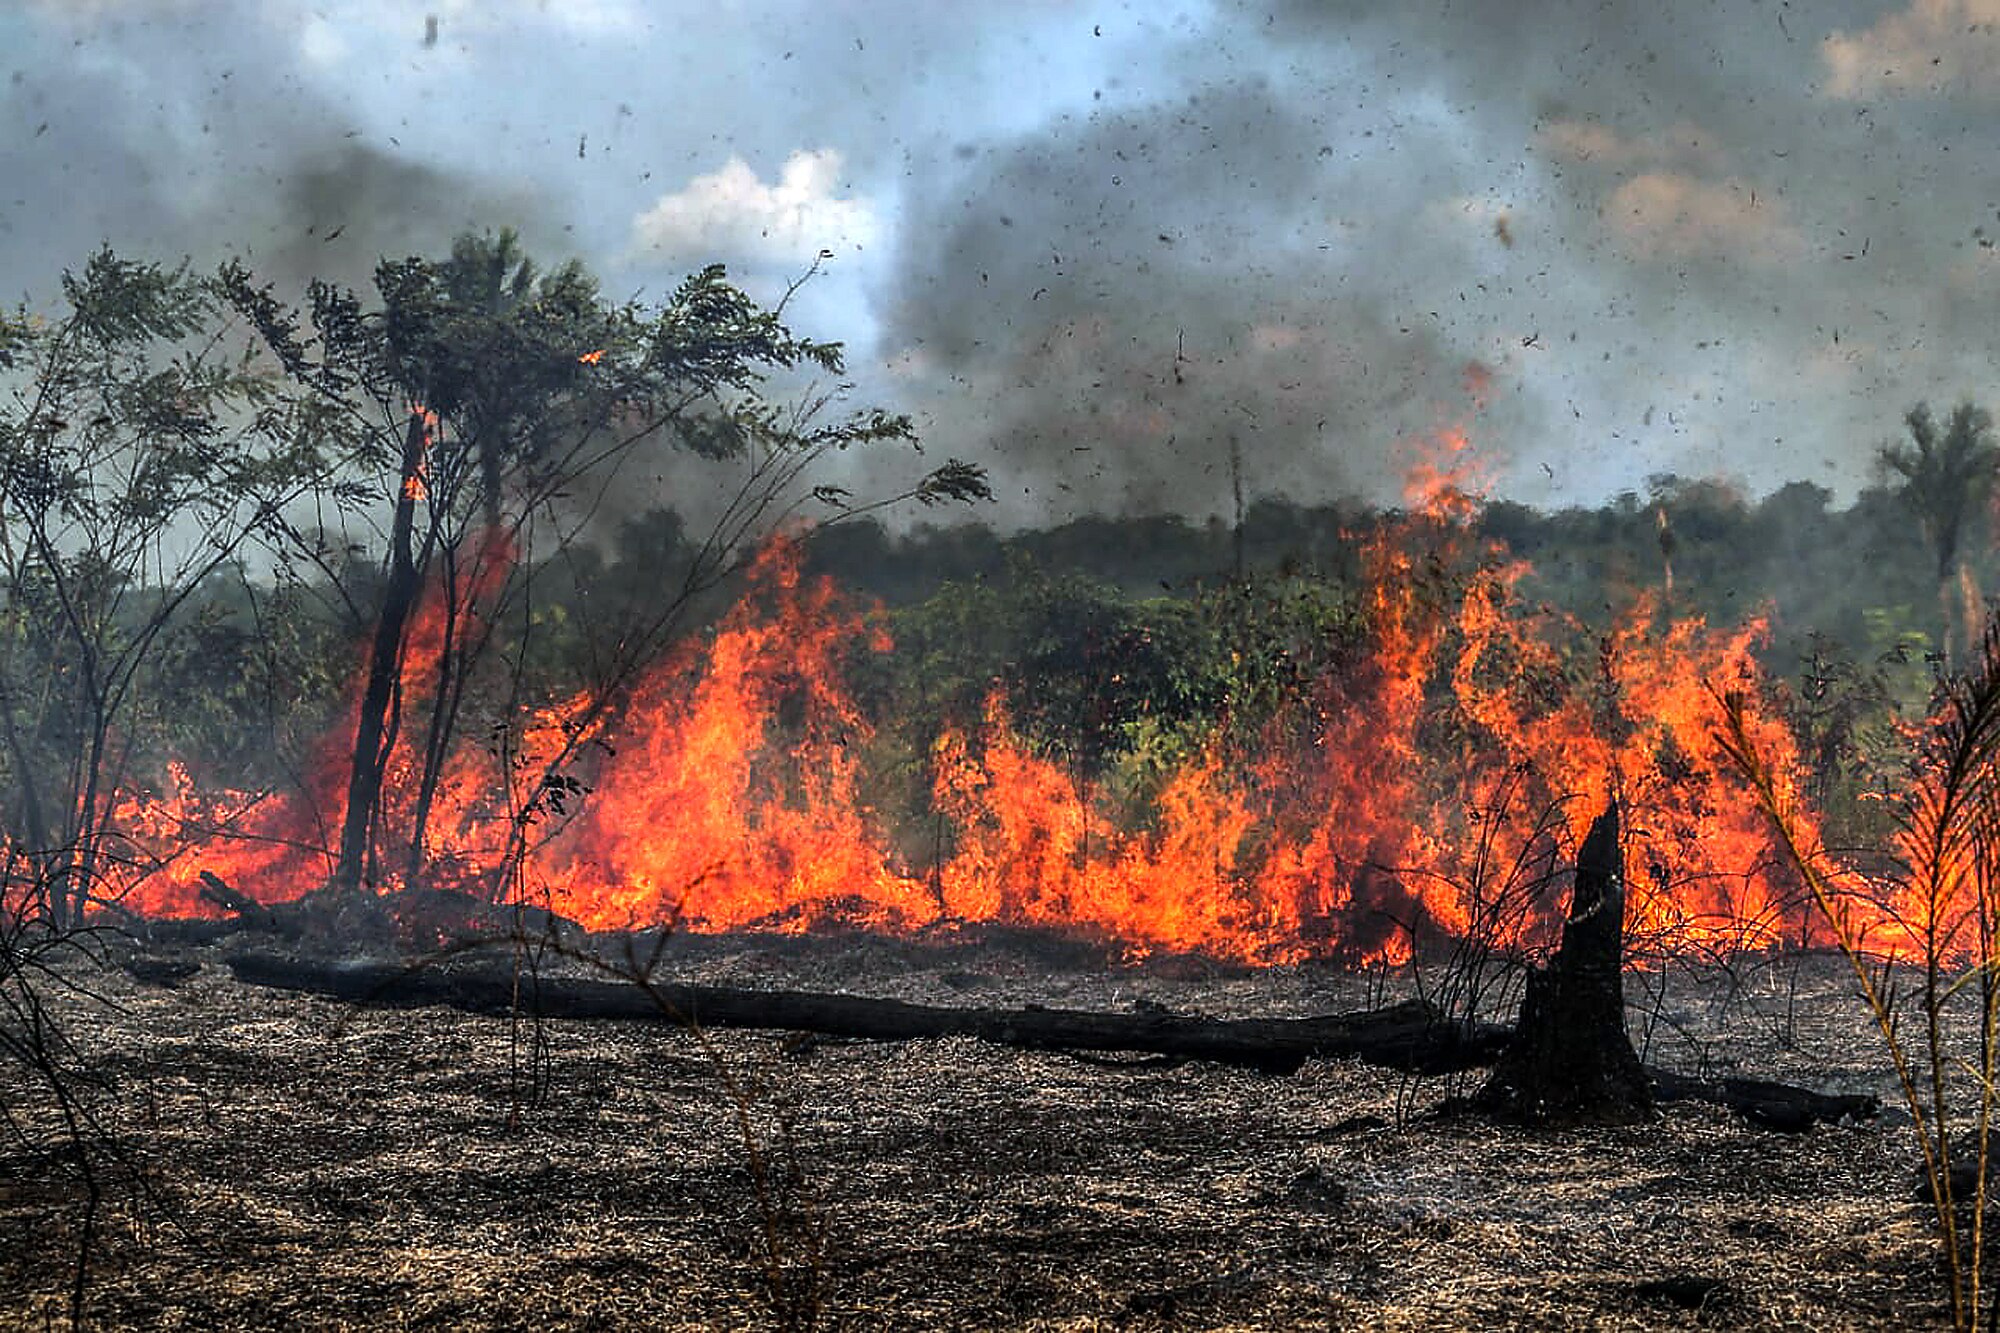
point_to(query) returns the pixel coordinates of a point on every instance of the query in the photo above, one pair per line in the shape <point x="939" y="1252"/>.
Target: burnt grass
<point x="284" y="1161"/>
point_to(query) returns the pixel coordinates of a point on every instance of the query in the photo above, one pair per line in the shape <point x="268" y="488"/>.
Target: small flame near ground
<point x="1394" y="804"/>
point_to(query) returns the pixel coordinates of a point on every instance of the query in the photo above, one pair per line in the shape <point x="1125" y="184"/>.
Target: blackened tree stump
<point x="1571" y="1061"/>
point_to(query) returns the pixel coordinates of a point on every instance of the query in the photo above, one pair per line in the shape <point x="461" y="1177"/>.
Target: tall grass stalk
<point x="1935" y="910"/>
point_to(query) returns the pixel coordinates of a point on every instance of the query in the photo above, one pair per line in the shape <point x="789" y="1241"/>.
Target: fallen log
<point x="244" y="914"/>
<point x="423" y="918"/>
<point x="1769" y="1105"/>
<point x="252" y="914"/>
<point x="1412" y="1036"/>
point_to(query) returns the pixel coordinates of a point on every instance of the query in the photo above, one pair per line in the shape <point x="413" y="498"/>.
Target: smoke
<point x="172" y="132"/>
<point x="1108" y="252"/>
<point x="1678" y="238"/>
<point x="339" y="207"/>
<point x="1135" y="298"/>
<point x="1769" y="255"/>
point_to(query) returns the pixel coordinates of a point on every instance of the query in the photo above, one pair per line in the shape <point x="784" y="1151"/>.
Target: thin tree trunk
<point x="444" y="706"/>
<point x="35" y="823"/>
<point x="468" y="632"/>
<point x="371" y="729"/>
<point x="84" y="847"/>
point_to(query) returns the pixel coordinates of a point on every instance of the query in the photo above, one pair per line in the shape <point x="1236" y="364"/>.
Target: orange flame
<point x="415" y="484"/>
<point x="730" y="790"/>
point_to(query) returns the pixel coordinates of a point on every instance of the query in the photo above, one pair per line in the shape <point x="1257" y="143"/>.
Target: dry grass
<point x="319" y="1167"/>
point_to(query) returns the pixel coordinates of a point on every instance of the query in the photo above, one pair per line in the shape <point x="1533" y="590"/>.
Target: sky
<point x="1104" y="248"/>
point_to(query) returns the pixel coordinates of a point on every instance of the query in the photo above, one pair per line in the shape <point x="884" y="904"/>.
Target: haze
<point x="1090" y="245"/>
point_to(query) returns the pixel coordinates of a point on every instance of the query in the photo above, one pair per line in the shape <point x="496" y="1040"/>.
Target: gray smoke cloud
<point x="337" y="207"/>
<point x="170" y="131"/>
<point x="1102" y="248"/>
<point x="1139" y="292"/>
<point x="1682" y="239"/>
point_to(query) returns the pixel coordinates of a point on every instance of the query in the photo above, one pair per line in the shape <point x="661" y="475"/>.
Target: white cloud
<point x="1933" y="46"/>
<point x="321" y="44"/>
<point x="732" y="214"/>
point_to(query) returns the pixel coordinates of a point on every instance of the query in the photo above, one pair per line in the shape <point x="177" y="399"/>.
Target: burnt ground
<point x="310" y="1165"/>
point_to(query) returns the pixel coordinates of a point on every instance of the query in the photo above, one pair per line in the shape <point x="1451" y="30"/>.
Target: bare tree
<point x="141" y="456"/>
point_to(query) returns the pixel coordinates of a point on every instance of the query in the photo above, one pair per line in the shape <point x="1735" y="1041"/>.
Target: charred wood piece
<point x="252" y="914"/>
<point x="1768" y="1105"/>
<point x="1412" y="1036"/>
<point x="1571" y="1061"/>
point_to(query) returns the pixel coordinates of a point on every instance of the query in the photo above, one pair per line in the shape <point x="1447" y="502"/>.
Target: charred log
<point x="1411" y="1036"/>
<point x="413" y="919"/>
<point x="1571" y="1061"/>
<point x="251" y="914"/>
<point x="1767" y="1105"/>
<point x="245" y="913"/>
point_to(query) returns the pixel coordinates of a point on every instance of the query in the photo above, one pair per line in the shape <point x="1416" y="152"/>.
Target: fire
<point x="1441" y="481"/>
<point x="1033" y="849"/>
<point x="418" y="481"/>
<point x="1394" y="805"/>
<point x="708" y="811"/>
<point x="591" y="358"/>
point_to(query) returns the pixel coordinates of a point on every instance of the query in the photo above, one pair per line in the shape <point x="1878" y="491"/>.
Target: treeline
<point x="1860" y="576"/>
<point x="1124" y="642"/>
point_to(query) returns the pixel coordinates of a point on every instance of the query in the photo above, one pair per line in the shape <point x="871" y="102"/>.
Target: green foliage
<point x="137" y="458"/>
<point x="1849" y="716"/>
<point x="246" y="679"/>
<point x="1123" y="690"/>
<point x="1945" y="473"/>
<point x="1075" y="661"/>
<point x="1282" y="638"/>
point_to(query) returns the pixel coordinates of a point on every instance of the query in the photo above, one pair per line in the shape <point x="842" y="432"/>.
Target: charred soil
<point x="309" y="1165"/>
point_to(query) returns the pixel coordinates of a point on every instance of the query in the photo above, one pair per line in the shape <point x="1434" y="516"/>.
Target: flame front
<point x="1378" y="809"/>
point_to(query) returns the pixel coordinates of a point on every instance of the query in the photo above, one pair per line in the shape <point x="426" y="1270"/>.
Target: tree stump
<point x="1571" y="1061"/>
